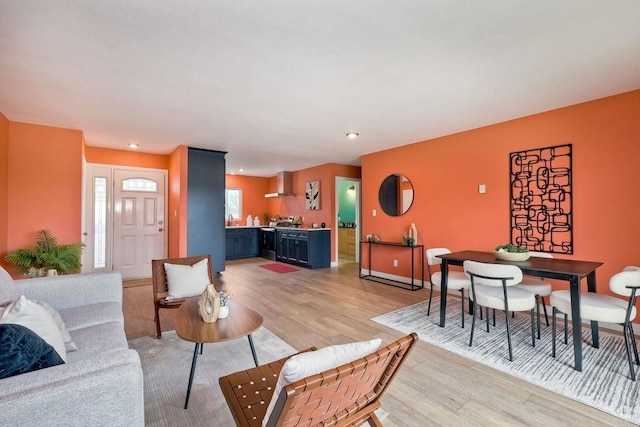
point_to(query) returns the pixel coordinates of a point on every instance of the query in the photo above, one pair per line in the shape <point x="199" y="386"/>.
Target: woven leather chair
<point x="160" y="288"/>
<point x="344" y="396"/>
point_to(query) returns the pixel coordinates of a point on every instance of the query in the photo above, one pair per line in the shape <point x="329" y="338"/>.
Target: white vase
<point x="52" y="272"/>
<point x="224" y="312"/>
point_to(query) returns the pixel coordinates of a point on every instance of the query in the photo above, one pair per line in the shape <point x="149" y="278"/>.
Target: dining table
<point x="569" y="270"/>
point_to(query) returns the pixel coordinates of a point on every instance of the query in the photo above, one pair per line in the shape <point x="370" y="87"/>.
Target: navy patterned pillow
<point x="22" y="350"/>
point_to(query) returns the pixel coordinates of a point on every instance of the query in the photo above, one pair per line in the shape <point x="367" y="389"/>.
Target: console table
<point x="391" y="282"/>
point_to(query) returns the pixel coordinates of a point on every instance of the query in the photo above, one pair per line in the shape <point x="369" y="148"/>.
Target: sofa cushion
<point x="91" y="314"/>
<point x="22" y="350"/>
<point x="309" y="363"/>
<point x="184" y="281"/>
<point x="98" y="339"/>
<point x="8" y="289"/>
<point x="29" y="314"/>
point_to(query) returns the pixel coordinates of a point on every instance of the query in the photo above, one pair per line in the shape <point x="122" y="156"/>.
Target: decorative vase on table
<point x="209" y="304"/>
<point x="224" y="312"/>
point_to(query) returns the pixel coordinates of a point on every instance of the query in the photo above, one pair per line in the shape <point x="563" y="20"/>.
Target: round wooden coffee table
<point x="190" y="327"/>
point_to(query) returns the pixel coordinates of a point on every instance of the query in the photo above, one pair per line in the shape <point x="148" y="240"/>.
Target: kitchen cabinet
<point x="205" y="205"/>
<point x="347" y="241"/>
<point x="242" y="242"/>
<point x="305" y="248"/>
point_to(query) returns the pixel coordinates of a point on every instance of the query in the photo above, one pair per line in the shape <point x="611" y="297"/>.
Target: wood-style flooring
<point x="333" y="306"/>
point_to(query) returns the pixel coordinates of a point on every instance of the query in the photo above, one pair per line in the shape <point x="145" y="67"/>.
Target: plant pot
<point x="224" y="312"/>
<point x="52" y="272"/>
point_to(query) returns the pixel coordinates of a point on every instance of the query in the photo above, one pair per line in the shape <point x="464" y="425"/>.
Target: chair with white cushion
<point x="605" y="308"/>
<point x="539" y="288"/>
<point x="493" y="286"/>
<point x="456" y="280"/>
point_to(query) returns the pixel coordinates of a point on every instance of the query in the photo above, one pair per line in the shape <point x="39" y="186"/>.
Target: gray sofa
<point x="101" y="383"/>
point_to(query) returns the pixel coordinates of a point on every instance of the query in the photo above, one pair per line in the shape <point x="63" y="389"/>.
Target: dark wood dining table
<point x="551" y="268"/>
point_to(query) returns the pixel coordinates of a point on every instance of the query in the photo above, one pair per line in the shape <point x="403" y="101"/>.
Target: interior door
<point x="139" y="222"/>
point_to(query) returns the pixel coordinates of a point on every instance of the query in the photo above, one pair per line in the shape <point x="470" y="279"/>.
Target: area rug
<point x="278" y="268"/>
<point x="604" y="382"/>
<point x="166" y="363"/>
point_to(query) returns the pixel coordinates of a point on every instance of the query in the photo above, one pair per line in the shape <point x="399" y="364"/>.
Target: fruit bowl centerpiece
<point x="511" y="252"/>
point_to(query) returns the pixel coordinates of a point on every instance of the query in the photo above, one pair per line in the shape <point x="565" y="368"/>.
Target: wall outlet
<point x="374" y="212"/>
<point x="482" y="188"/>
<point x="395" y="262"/>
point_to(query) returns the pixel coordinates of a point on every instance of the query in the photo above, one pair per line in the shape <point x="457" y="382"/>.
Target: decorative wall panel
<point x="542" y="199"/>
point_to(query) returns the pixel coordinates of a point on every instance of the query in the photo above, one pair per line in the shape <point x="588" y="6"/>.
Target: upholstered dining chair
<point x="493" y="286"/>
<point x="539" y="288"/>
<point x="346" y="395"/>
<point x="456" y="280"/>
<point x="605" y="308"/>
<point x="161" y="297"/>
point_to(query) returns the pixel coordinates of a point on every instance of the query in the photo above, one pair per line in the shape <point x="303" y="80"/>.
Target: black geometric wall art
<point x="542" y="199"/>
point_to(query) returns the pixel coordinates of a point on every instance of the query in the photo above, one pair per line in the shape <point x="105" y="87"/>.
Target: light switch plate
<point x="482" y="189"/>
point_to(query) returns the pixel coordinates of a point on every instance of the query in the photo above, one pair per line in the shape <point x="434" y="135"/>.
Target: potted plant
<point x="225" y="299"/>
<point x="47" y="257"/>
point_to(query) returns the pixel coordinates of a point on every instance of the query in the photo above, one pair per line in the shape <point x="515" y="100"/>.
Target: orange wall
<point x="4" y="184"/>
<point x="44" y="183"/>
<point x="446" y="172"/>
<point x="253" y="202"/>
<point x="129" y="158"/>
<point x="177" y="222"/>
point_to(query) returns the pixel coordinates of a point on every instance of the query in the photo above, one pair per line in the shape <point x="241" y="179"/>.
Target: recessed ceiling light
<point x="241" y="170"/>
<point x="133" y="145"/>
<point x="352" y="135"/>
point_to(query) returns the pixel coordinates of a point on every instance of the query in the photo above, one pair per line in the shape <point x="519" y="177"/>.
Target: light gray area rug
<point x="166" y="364"/>
<point x="604" y="382"/>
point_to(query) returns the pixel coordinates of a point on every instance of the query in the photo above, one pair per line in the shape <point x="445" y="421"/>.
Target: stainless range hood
<point x="284" y="186"/>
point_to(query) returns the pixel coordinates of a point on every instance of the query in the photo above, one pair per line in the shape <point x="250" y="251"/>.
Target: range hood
<point x="284" y="186"/>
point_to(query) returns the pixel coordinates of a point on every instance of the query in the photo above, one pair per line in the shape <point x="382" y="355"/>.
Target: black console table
<point x="391" y="282"/>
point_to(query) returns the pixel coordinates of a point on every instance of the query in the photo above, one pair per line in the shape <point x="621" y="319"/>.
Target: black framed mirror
<point x="396" y="194"/>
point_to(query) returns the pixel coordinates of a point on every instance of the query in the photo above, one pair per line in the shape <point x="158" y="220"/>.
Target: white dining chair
<point x="605" y="308"/>
<point x="456" y="280"/>
<point x="493" y="286"/>
<point x="539" y="288"/>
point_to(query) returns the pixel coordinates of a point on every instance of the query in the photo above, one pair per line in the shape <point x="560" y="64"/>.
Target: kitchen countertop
<point x="244" y="226"/>
<point x="277" y="228"/>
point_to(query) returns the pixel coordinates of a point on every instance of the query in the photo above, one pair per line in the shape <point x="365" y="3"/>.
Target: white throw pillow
<point x="310" y="363"/>
<point x="186" y="281"/>
<point x="35" y="317"/>
<point x="69" y="345"/>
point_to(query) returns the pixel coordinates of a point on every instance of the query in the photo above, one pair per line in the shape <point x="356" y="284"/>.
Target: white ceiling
<point x="278" y="83"/>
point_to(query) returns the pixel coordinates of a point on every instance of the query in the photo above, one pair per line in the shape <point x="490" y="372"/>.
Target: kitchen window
<point x="233" y="203"/>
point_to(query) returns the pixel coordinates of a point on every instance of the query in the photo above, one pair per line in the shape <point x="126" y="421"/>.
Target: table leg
<point x="591" y="286"/>
<point x="444" y="267"/>
<point x="193" y="370"/>
<point x="253" y="350"/>
<point x="576" y="321"/>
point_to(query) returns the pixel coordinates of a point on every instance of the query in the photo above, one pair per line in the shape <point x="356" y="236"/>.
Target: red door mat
<point x="278" y="268"/>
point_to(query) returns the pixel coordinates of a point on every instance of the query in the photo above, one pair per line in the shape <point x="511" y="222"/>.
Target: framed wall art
<point x="312" y="195"/>
<point x="542" y="199"/>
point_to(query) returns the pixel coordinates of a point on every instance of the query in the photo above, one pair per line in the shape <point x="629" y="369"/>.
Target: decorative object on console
<point x="225" y="300"/>
<point x="47" y="255"/>
<point x="312" y="196"/>
<point x="542" y="199"/>
<point x="209" y="304"/>
<point x="413" y="234"/>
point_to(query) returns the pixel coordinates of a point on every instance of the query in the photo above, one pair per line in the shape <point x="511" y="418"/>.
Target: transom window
<point x="139" y="184"/>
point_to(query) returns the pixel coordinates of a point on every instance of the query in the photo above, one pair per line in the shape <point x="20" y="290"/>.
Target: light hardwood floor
<point x="332" y="305"/>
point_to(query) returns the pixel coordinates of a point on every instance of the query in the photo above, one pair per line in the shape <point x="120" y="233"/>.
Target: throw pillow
<point x="310" y="363"/>
<point x="22" y="350"/>
<point x="69" y="345"/>
<point x="8" y="289"/>
<point x="29" y="314"/>
<point x="186" y="281"/>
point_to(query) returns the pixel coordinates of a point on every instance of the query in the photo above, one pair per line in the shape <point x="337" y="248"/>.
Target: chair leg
<point x="157" y="320"/>
<point x="627" y="347"/>
<point x="473" y="321"/>
<point x="494" y="317"/>
<point x="544" y="307"/>
<point x="533" y="337"/>
<point x="430" y="295"/>
<point x="553" y="332"/>
<point x="538" y="313"/>
<point x="506" y="315"/>
<point x="633" y="341"/>
<point x="462" y="304"/>
<point x="566" y="329"/>
<point x="487" y="316"/>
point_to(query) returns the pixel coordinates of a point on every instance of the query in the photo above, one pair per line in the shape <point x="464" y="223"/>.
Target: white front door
<point x="139" y="227"/>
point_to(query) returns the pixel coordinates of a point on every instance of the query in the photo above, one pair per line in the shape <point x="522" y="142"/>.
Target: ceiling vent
<point x="284" y="186"/>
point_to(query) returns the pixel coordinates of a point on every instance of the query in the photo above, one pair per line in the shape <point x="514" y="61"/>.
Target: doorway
<point x="347" y="220"/>
<point x="124" y="219"/>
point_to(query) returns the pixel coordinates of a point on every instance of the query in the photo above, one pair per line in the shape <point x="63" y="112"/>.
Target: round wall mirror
<point x="396" y="195"/>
